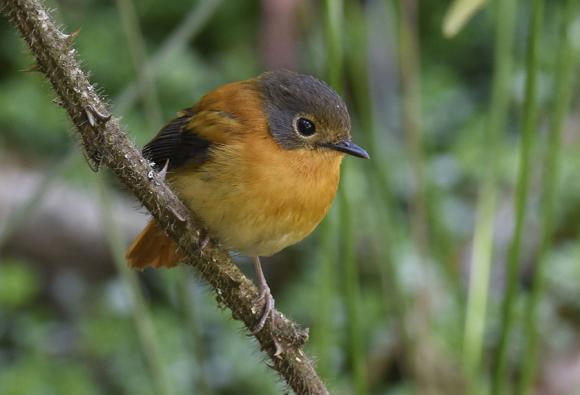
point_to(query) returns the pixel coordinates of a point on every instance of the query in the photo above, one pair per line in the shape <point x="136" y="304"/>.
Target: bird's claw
<point x="266" y="296"/>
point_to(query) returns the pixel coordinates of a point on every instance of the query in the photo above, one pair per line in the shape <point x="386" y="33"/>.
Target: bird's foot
<point x="266" y="296"/>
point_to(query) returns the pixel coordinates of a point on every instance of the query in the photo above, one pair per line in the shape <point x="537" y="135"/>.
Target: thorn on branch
<point x="102" y="117"/>
<point x="58" y="102"/>
<point x="95" y="117"/>
<point x="93" y="156"/>
<point x="90" y="118"/>
<point x="70" y="38"/>
<point x="179" y="216"/>
<point x="35" y="68"/>
<point x="163" y="171"/>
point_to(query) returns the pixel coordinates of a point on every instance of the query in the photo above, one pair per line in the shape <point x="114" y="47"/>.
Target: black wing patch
<point x="175" y="144"/>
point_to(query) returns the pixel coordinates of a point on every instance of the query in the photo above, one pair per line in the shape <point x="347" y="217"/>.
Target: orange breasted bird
<point x="258" y="161"/>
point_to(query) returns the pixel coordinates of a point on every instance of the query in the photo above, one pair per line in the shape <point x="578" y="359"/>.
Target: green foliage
<point x="387" y="311"/>
<point x="18" y="284"/>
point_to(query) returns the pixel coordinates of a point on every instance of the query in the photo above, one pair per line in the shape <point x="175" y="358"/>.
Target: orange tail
<point x="152" y="247"/>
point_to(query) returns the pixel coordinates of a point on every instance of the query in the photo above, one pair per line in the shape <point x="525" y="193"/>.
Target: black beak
<point x="348" y="147"/>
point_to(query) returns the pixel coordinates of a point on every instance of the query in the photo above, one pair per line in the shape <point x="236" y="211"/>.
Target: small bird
<point x="258" y="161"/>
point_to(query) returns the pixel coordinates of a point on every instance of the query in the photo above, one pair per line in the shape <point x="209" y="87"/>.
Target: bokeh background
<point x="474" y="142"/>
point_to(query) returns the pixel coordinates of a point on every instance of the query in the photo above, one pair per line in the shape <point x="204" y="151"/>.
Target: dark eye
<point x="305" y="127"/>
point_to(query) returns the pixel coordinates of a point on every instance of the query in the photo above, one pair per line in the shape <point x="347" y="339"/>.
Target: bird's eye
<point x="305" y="127"/>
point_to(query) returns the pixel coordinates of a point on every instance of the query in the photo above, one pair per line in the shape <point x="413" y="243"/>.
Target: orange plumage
<point x="152" y="248"/>
<point x="258" y="161"/>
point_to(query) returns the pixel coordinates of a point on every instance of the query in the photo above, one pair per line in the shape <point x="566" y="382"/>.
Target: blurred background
<point x="449" y="264"/>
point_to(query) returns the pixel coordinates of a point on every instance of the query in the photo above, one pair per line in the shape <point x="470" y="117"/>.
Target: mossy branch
<point x="106" y="143"/>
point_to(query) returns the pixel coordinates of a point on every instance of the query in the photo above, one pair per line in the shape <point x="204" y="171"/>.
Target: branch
<point x="105" y="142"/>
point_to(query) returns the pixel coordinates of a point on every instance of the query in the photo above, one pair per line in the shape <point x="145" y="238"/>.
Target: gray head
<point x="304" y="112"/>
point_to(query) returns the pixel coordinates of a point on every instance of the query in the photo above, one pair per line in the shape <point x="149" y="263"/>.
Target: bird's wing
<point x="176" y="144"/>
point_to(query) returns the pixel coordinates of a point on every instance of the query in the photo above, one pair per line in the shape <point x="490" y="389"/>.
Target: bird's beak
<point x="348" y="147"/>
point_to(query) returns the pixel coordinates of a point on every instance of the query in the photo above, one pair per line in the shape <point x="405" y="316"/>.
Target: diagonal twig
<point x="105" y="142"/>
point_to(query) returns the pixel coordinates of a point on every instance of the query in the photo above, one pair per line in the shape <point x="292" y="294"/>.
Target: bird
<point x="258" y="161"/>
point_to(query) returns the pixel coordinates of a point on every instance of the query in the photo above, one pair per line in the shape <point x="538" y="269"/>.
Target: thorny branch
<point x="105" y="142"/>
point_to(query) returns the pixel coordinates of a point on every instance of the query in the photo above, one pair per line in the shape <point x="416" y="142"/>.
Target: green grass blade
<point x="351" y="290"/>
<point x="334" y="15"/>
<point x="409" y="76"/>
<point x="521" y="197"/>
<point x="483" y="237"/>
<point x="334" y="19"/>
<point x="561" y="105"/>
<point x="357" y="62"/>
<point x="145" y="78"/>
